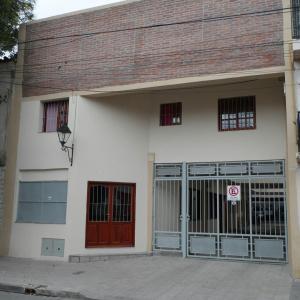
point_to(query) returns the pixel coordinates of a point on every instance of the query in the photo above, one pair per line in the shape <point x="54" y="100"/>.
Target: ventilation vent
<point x="233" y="169"/>
<point x="168" y="171"/>
<point x="203" y="170"/>
<point x="267" y="168"/>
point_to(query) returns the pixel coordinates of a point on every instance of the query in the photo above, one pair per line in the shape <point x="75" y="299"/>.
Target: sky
<point x="48" y="8"/>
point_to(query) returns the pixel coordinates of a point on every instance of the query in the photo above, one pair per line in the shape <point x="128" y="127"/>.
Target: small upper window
<point x="237" y="113"/>
<point x="170" y="114"/>
<point x="55" y="114"/>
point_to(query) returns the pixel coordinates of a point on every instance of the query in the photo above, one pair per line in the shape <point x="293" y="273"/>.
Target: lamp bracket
<point x="70" y="151"/>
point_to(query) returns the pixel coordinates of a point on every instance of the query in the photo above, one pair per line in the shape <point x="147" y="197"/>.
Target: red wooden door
<point x="110" y="218"/>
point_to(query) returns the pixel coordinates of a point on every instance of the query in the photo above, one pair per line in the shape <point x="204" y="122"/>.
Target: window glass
<point x="237" y="113"/>
<point x="55" y="114"/>
<point x="170" y="114"/>
<point x="98" y="205"/>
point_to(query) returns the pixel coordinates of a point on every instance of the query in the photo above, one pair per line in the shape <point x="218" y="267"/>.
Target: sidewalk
<point x="157" y="277"/>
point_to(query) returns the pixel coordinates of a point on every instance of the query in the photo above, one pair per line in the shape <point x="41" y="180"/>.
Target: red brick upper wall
<point x="151" y="54"/>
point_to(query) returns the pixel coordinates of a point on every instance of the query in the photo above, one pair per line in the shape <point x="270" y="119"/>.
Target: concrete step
<point x="104" y="257"/>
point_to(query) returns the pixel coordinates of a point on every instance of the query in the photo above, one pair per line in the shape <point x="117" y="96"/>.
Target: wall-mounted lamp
<point x="64" y="133"/>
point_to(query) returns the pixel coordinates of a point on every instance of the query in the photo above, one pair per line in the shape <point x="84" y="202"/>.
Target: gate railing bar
<point x="171" y="232"/>
<point x="273" y="261"/>
<point x="230" y="177"/>
<point x="286" y="223"/>
<point x="237" y="235"/>
<point x="250" y="216"/>
<point x="154" y="209"/>
<point x="184" y="213"/>
<point x="168" y="179"/>
<point x="218" y="218"/>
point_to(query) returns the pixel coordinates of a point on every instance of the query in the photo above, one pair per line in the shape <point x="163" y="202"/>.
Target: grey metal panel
<point x="47" y="247"/>
<point x="30" y="191"/>
<point x="53" y="247"/>
<point x="268" y="248"/>
<point x="198" y="170"/>
<point x="235" y="247"/>
<point x="168" y="171"/>
<point x="168" y="241"/>
<point x="233" y="169"/>
<point x="54" y="213"/>
<point x="203" y="245"/>
<point x="42" y="202"/>
<point x="267" y="168"/>
<point x="58" y="247"/>
<point x="29" y="212"/>
<point x="55" y="191"/>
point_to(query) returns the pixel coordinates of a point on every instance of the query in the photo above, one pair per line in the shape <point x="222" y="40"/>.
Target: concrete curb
<point x="41" y="291"/>
<point x="12" y="288"/>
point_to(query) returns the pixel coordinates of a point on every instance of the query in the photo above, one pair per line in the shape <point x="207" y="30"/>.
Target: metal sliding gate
<point x="192" y="213"/>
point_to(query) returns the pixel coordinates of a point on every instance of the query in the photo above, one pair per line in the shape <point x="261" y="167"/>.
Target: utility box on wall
<point x="53" y="247"/>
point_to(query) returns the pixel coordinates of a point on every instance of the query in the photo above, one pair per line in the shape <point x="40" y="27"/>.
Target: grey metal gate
<point x="192" y="214"/>
<point x="167" y="207"/>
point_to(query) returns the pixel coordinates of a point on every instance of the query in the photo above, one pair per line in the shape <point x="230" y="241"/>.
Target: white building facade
<point x="113" y="138"/>
<point x="154" y="157"/>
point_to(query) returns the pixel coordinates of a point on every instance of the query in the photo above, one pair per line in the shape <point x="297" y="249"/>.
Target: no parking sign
<point x="234" y="193"/>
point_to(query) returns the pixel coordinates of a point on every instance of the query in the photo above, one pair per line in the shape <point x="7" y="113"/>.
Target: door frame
<point x="110" y="205"/>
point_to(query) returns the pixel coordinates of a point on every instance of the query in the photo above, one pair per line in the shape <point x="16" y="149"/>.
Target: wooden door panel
<point x="122" y="234"/>
<point x="91" y="234"/>
<point x="110" y="215"/>
<point x="97" y="215"/>
<point x="103" y="234"/>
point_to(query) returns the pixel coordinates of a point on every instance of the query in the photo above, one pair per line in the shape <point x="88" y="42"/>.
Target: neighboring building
<point x="7" y="68"/>
<point x="296" y="54"/>
<point x="189" y="99"/>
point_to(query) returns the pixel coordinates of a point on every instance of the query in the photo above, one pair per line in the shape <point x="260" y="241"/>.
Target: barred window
<point x="296" y="18"/>
<point x="55" y="114"/>
<point x="170" y="114"/>
<point x="237" y="113"/>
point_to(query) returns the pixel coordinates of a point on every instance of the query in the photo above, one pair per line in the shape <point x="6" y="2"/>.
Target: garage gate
<point x="193" y="214"/>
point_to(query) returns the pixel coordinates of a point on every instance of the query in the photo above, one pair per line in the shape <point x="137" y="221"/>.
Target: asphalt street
<point x="12" y="296"/>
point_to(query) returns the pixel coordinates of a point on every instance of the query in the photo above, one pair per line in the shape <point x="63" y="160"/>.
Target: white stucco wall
<point x="111" y="144"/>
<point x="112" y="138"/>
<point x="198" y="138"/>
<point x="26" y="238"/>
